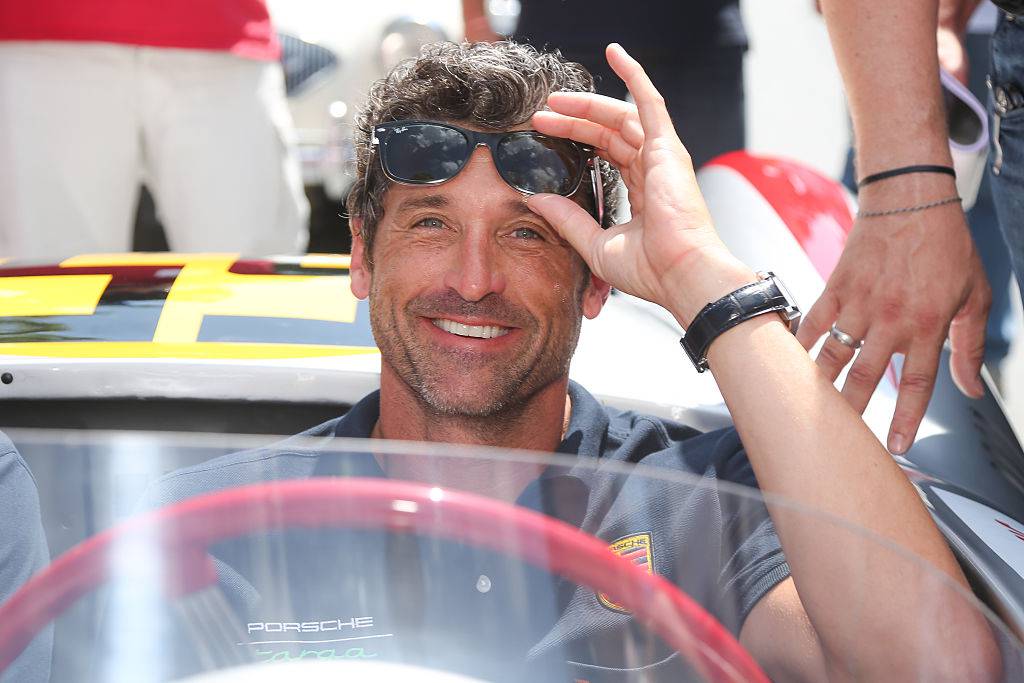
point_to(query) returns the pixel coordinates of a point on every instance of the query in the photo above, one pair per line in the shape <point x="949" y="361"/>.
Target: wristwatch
<point x="767" y="295"/>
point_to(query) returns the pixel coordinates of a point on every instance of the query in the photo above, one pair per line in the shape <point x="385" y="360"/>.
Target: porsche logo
<point x="638" y="549"/>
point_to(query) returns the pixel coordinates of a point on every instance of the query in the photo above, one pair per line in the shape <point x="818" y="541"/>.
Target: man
<point x="478" y="275"/>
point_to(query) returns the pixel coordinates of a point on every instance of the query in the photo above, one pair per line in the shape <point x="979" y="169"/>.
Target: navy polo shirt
<point x="344" y="594"/>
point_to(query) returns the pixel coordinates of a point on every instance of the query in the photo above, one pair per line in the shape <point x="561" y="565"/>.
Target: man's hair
<point x="493" y="86"/>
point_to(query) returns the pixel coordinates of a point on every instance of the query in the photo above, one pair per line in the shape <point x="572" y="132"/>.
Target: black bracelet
<point x="904" y="170"/>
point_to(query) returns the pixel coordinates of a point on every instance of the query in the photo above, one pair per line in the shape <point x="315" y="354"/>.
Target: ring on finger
<point x="844" y="338"/>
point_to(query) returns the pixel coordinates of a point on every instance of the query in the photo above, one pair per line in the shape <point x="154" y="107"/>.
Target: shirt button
<point x="483" y="584"/>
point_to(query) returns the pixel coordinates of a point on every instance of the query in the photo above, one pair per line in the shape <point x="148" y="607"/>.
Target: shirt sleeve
<point x="23" y="553"/>
<point x="752" y="558"/>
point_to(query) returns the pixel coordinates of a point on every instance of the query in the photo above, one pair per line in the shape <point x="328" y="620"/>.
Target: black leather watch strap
<point x="768" y="295"/>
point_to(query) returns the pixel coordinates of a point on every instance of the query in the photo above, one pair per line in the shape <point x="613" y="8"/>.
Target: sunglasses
<point x="429" y="153"/>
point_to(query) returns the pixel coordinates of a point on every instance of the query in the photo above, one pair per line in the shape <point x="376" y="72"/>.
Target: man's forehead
<point x="409" y="199"/>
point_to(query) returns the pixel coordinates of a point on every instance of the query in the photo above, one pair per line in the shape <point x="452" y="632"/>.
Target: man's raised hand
<point x="668" y="252"/>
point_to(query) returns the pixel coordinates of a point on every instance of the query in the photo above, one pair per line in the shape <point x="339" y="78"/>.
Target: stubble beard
<point x="506" y="385"/>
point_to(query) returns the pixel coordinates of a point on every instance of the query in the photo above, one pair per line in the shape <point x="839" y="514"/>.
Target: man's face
<point x="475" y="301"/>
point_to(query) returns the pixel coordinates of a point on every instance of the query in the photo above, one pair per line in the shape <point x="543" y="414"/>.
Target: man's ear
<point x="595" y="296"/>
<point x="359" y="270"/>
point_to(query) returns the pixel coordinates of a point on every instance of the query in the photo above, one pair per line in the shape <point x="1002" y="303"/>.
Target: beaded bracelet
<point x="904" y="170"/>
<point x="908" y="209"/>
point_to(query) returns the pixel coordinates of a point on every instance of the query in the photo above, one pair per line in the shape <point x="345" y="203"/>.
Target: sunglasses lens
<point x="536" y="163"/>
<point x="424" y="153"/>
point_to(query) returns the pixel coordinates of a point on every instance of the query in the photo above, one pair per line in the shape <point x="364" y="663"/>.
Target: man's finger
<point x="601" y="109"/>
<point x="916" y="383"/>
<point x="833" y="357"/>
<point x="817" y="321"/>
<point x="967" y="340"/>
<point x="650" y="104"/>
<point x="573" y="223"/>
<point x="589" y="133"/>
<point x="867" y="371"/>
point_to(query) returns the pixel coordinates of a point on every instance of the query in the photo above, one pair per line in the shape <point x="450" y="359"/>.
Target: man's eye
<point x="430" y="223"/>
<point x="526" y="234"/>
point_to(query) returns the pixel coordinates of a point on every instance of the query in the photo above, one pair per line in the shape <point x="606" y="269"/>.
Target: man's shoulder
<point x="7" y="447"/>
<point x="634" y="437"/>
<point x="652" y="436"/>
<point x="649" y="440"/>
<point x="12" y="465"/>
<point x="291" y="458"/>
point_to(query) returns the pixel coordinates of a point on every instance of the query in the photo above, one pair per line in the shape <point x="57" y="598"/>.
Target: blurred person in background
<point x="97" y="96"/>
<point x="693" y="51"/>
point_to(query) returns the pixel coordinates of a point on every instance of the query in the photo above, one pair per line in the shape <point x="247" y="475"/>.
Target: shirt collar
<point x="561" y="490"/>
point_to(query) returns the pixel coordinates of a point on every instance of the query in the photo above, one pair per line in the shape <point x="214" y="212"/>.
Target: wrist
<point x="911" y="187"/>
<point x="765" y="296"/>
<point x="924" y="141"/>
<point x="704" y="281"/>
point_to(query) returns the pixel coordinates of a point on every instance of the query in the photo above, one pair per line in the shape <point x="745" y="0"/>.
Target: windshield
<point x="237" y="558"/>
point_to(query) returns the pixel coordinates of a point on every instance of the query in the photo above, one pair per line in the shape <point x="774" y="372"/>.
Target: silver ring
<point x="845" y="339"/>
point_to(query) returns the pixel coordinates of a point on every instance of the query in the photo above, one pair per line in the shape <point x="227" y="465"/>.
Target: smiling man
<point x="482" y="237"/>
<point x="476" y="305"/>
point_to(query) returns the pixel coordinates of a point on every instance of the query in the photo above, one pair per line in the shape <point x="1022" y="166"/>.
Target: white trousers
<point x="81" y="124"/>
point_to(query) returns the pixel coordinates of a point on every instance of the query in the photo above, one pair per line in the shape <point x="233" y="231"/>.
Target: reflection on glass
<point x="461" y="571"/>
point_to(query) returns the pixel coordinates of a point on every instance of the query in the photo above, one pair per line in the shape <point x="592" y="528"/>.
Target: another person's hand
<point x="903" y="283"/>
<point x="477" y="25"/>
<point x="669" y="252"/>
<point x="953" y="18"/>
<point x="479" y="31"/>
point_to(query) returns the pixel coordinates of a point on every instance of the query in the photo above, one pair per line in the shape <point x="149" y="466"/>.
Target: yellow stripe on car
<point x="38" y="295"/>
<point x="325" y="261"/>
<point x="159" y="258"/>
<point x="192" y="350"/>
<point x="205" y="287"/>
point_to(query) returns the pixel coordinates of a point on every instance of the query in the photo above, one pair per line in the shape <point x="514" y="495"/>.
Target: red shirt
<point x="241" y="27"/>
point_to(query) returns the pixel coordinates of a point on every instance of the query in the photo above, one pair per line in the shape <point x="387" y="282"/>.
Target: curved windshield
<point x="215" y="558"/>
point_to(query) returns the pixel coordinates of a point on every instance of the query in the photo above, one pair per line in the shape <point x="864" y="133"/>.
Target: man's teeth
<point x="478" y="331"/>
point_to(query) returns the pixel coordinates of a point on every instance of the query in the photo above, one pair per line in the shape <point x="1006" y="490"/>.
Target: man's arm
<point x="904" y="281"/>
<point x="805" y="443"/>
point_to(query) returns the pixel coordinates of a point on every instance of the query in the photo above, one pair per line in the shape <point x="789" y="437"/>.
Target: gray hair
<point x="493" y="86"/>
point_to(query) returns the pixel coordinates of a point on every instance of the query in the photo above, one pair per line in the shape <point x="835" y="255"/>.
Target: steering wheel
<point x="183" y="533"/>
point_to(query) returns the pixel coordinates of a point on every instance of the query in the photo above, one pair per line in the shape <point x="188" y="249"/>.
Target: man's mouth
<point x="477" y="331"/>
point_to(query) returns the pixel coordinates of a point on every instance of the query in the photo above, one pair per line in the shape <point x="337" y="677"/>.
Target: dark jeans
<point x="704" y="95"/>
<point x="1007" y="157"/>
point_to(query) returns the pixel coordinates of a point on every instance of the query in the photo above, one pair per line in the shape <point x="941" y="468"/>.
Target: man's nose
<point x="475" y="272"/>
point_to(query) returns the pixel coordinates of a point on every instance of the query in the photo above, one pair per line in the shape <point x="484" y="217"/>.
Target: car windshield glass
<point x="241" y="559"/>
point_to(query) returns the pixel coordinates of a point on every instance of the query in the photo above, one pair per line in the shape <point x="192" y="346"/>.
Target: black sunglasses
<point x="429" y="153"/>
